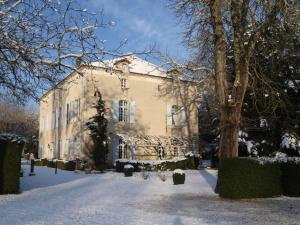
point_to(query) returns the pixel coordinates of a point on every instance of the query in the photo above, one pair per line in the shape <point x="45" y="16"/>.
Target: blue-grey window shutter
<point x="115" y="110"/>
<point x="169" y="115"/>
<point x="132" y="112"/>
<point x="182" y="116"/>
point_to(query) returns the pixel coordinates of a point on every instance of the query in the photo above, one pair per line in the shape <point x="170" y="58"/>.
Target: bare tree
<point x="233" y="26"/>
<point x="17" y="119"/>
<point x="42" y="40"/>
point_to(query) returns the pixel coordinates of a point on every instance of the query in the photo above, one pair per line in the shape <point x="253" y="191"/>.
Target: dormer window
<point x="123" y="83"/>
<point x="125" y="68"/>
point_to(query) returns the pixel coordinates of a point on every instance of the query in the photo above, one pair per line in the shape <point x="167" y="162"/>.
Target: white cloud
<point x="143" y="22"/>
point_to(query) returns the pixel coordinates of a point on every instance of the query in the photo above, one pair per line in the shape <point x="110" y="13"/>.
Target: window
<point x="174" y="115"/>
<point x="123" y="111"/>
<point x="125" y="68"/>
<point x="123" y="83"/>
<point x="122" y="149"/>
<point x="73" y="110"/>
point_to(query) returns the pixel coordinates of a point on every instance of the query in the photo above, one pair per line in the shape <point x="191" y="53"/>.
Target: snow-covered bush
<point x="290" y="142"/>
<point x="61" y="164"/>
<point x="153" y="165"/>
<point x="178" y="176"/>
<point x="145" y="174"/>
<point x="235" y="181"/>
<point x="162" y="176"/>
<point x="128" y="170"/>
<point x="247" y="147"/>
<point x="40" y="162"/>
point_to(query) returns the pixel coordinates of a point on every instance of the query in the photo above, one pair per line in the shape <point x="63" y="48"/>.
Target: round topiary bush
<point x="128" y="170"/>
<point x="178" y="176"/>
<point x="291" y="179"/>
<point x="245" y="178"/>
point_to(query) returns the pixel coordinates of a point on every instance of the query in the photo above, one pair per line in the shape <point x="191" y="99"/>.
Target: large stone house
<point x="152" y="113"/>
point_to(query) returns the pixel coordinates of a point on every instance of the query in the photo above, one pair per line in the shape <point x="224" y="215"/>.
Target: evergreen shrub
<point x="128" y="170"/>
<point x="185" y="164"/>
<point x="290" y="178"/>
<point x="10" y="164"/>
<point x="246" y="178"/>
<point x="178" y="177"/>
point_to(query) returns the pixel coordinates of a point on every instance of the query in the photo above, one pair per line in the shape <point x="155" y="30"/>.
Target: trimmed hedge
<point x="290" y="178"/>
<point x="178" y="178"/>
<point x="10" y="165"/>
<point x="63" y="165"/>
<point x="40" y="162"/>
<point x="184" y="164"/>
<point x="245" y="178"/>
<point x="128" y="172"/>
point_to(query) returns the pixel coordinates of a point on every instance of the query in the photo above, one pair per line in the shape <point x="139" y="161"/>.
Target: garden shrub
<point x="66" y="165"/>
<point x="290" y="178"/>
<point x="51" y="163"/>
<point x="40" y="162"/>
<point x="245" y="178"/>
<point x="128" y="170"/>
<point x="10" y="163"/>
<point x="178" y="176"/>
<point x="63" y="165"/>
<point x="185" y="164"/>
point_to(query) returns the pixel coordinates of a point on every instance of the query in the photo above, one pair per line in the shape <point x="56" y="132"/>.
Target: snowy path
<point x="68" y="198"/>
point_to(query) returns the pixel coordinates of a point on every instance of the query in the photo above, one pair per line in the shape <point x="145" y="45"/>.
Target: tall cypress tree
<point x="97" y="125"/>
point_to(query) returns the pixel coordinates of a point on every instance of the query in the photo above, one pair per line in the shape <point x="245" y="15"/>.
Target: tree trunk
<point x="230" y="124"/>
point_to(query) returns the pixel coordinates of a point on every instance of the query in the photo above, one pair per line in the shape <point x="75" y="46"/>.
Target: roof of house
<point x="136" y="65"/>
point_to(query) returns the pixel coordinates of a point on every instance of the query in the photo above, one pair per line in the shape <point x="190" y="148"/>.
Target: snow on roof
<point x="136" y="65"/>
<point x="8" y="137"/>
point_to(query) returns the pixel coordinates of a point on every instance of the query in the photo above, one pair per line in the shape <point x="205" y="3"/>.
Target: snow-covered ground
<point x="111" y="199"/>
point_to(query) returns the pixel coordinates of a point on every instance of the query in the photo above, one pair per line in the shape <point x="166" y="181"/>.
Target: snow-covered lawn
<point x="68" y="198"/>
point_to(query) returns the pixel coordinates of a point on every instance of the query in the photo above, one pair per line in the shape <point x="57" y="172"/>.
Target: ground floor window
<point x="123" y="149"/>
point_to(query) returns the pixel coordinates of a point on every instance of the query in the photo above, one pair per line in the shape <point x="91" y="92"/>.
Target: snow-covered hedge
<point x="11" y="138"/>
<point x="179" y="163"/>
<point x="280" y="158"/>
<point x="128" y="166"/>
<point x="178" y="171"/>
<point x="11" y="147"/>
<point x="61" y="164"/>
<point x="40" y="162"/>
<point x="246" y="178"/>
<point x="290" y="178"/>
<point x="270" y="176"/>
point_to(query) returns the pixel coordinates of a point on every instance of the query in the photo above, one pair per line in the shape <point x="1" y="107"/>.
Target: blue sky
<point x="143" y="23"/>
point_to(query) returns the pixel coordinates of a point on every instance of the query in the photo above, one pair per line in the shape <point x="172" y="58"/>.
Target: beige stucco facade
<point x="149" y="111"/>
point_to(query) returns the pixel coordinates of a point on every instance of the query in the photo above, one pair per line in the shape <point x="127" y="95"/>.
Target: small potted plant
<point x="178" y="176"/>
<point x="128" y="170"/>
